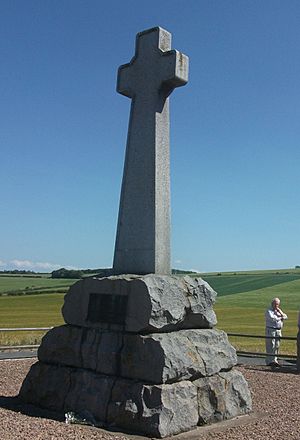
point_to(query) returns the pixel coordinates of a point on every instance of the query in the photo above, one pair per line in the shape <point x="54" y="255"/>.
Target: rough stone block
<point x="222" y="396"/>
<point x="176" y="356"/>
<point x="89" y="392"/>
<point x="140" y="304"/>
<point x="152" y="410"/>
<point x="154" y="358"/>
<point x="46" y="386"/>
<point x="81" y="347"/>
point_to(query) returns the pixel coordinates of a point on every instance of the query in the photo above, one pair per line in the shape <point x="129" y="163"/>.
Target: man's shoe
<point x="274" y="364"/>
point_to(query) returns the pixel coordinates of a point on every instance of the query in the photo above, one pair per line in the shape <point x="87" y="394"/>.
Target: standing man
<point x="274" y="323"/>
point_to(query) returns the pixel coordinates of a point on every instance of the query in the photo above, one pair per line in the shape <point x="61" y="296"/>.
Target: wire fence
<point x="22" y="329"/>
<point x="264" y="354"/>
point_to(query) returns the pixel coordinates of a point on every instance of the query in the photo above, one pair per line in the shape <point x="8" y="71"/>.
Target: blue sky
<point x="235" y="131"/>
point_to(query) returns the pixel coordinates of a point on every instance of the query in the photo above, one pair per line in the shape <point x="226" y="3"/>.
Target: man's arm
<point x="283" y="315"/>
<point x="272" y="317"/>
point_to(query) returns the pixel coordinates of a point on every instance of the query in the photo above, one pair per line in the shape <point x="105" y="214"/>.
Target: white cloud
<point x="21" y="264"/>
<point x="48" y="266"/>
<point x="35" y="266"/>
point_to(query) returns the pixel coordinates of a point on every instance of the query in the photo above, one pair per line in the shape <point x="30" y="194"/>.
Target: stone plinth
<point x="153" y="410"/>
<point x="142" y="304"/>
<point x="134" y="363"/>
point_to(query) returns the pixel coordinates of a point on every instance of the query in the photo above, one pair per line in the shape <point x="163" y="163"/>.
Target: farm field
<point x="42" y="310"/>
<point x="240" y="306"/>
<point x="229" y="283"/>
<point x="28" y="284"/>
<point x="242" y="300"/>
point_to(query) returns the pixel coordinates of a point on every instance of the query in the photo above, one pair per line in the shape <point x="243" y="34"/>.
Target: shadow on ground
<point x="17" y="405"/>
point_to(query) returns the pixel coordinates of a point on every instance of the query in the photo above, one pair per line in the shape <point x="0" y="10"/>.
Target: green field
<point x="27" y="284"/>
<point x="30" y="301"/>
<point x="229" y="284"/>
<point x="43" y="310"/>
<point x="240" y="306"/>
<point x="243" y="298"/>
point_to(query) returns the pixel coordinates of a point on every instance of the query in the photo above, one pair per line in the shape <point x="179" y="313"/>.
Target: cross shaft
<point x="143" y="232"/>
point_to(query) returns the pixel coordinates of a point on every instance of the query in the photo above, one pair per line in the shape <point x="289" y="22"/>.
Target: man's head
<point x="275" y="303"/>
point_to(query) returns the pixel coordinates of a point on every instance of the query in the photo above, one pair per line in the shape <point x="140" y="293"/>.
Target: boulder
<point x="172" y="357"/>
<point x="222" y="396"/>
<point x="140" y="304"/>
<point x="152" y="410"/>
<point x="82" y="348"/>
<point x="153" y="358"/>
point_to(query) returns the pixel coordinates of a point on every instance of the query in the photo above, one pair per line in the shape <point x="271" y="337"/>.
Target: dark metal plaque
<point x="110" y="309"/>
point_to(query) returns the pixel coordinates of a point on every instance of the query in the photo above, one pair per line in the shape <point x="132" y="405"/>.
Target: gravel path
<point x="276" y="395"/>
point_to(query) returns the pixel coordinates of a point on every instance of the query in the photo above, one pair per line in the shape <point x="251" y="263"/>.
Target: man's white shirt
<point x="274" y="319"/>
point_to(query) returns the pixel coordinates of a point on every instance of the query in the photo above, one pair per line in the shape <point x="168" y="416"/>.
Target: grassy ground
<point x="243" y="312"/>
<point x="27" y="284"/>
<point x="228" y="283"/>
<point x="42" y="310"/>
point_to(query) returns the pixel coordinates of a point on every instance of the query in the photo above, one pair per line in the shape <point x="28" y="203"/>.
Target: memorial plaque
<point x="110" y="309"/>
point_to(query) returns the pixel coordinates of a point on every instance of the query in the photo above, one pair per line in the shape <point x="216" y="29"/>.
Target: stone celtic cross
<point x="143" y="231"/>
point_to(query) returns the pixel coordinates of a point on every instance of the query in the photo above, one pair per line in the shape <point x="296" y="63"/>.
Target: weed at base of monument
<point x="82" y="418"/>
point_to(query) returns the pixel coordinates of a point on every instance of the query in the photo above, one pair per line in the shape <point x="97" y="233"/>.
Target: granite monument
<point x="143" y="232"/>
<point x="139" y="351"/>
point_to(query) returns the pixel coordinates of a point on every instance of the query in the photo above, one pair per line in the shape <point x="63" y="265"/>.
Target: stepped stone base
<point x="154" y="410"/>
<point x="139" y="354"/>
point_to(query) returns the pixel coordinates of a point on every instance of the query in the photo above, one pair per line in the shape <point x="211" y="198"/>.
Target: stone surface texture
<point x="157" y="383"/>
<point x="222" y="396"/>
<point x="155" y="358"/>
<point x="154" y="410"/>
<point x="154" y="303"/>
<point x="143" y="232"/>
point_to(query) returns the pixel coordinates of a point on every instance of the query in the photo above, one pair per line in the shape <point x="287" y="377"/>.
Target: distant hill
<point x="238" y="282"/>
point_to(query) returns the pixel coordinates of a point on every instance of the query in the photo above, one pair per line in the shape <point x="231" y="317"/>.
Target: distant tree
<point x="182" y="272"/>
<point x="102" y="272"/>
<point x="18" y="272"/>
<point x="65" y="273"/>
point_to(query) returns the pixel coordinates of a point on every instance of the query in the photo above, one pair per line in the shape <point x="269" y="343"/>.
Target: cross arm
<point x="176" y="68"/>
<point x="124" y="80"/>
